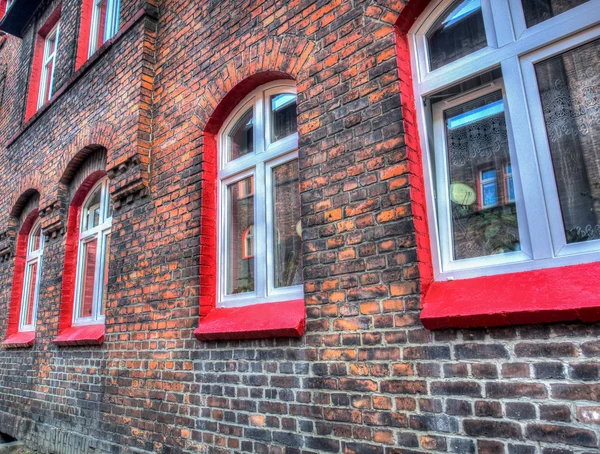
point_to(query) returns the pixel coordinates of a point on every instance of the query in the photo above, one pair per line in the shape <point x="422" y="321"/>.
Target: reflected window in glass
<point x="456" y="34"/>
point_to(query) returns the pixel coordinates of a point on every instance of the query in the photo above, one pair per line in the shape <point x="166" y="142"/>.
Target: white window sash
<point x="259" y="164"/>
<point x="444" y="232"/>
<point x="554" y="29"/>
<point x="559" y="241"/>
<point x="33" y="257"/>
<point x="100" y="233"/>
<point x="49" y="57"/>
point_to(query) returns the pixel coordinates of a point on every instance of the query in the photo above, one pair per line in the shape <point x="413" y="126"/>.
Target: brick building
<point x="300" y="226"/>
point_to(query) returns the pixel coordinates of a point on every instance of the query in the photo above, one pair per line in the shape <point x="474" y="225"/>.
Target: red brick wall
<point x="366" y="377"/>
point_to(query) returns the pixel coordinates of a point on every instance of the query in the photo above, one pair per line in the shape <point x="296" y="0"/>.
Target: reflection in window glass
<point x="457" y="33"/>
<point x="105" y="281"/>
<point x="240" y="216"/>
<point x="287" y="215"/>
<point x="92" y="211"/>
<point x="477" y="144"/>
<point x="89" y="272"/>
<point x="489" y="190"/>
<point x="537" y="11"/>
<point x="283" y="111"/>
<point x="568" y="85"/>
<point x="510" y="185"/>
<point x="242" y="136"/>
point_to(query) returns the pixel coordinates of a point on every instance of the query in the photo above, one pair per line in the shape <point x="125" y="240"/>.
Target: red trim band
<point x="259" y="321"/>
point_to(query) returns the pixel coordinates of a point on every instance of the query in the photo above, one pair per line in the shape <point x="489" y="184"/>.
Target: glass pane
<point x="88" y="276"/>
<point x="101" y="11"/>
<point x="570" y="96"/>
<point x="35" y="238"/>
<point x="286" y="237"/>
<point x="91" y="211"/>
<point x="30" y="295"/>
<point x="457" y="33"/>
<point x="240" y="216"/>
<point x="242" y="136"/>
<point x="105" y="284"/>
<point x="537" y="11"/>
<point x="484" y="219"/>
<point x="283" y="116"/>
<point x="51" y="44"/>
<point x="48" y="80"/>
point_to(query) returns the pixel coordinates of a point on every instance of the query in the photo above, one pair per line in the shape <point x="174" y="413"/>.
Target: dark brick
<point x="515" y="390"/>
<point x="549" y="370"/>
<point x="481" y="351"/>
<point x="490" y="447"/>
<point x="548" y="433"/>
<point x="456" y="388"/>
<point x="553" y="350"/>
<point x="492" y="429"/>
<point x="555" y="413"/>
<point x="521" y="449"/>
<point x="487" y="408"/>
<point x="584" y="371"/>
<point x="520" y="410"/>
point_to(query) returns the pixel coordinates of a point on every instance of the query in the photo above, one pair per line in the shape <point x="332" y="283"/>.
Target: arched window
<point x="258" y="195"/>
<point x="92" y="263"/>
<point x="31" y="281"/>
<point x="509" y="133"/>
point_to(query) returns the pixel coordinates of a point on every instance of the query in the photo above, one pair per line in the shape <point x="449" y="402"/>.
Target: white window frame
<point x="260" y="164"/>
<point x="100" y="232"/>
<point x="111" y="25"/>
<point x="49" y="57"/>
<point x="543" y="242"/>
<point x="33" y="257"/>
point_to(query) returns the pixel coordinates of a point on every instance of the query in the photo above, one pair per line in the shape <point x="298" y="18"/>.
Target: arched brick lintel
<point x="405" y="21"/>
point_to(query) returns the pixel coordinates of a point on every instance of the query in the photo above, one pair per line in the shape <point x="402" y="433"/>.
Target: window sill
<point x="20" y="340"/>
<point x="81" y="335"/>
<point x="259" y="321"/>
<point x="542" y="296"/>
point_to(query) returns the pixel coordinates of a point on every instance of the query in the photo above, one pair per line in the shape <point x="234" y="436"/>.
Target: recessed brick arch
<point x="23" y="197"/>
<point x="85" y="142"/>
<point x="281" y="57"/>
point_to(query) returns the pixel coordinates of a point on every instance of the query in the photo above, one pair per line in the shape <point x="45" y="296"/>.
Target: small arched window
<point x="259" y="195"/>
<point x="31" y="281"/>
<point x="92" y="263"/>
<point x="248" y="243"/>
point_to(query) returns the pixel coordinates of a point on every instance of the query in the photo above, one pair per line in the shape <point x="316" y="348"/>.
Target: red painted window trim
<point x="234" y="323"/>
<point x="3" y="8"/>
<point x="37" y="61"/>
<point x="67" y="333"/>
<point x="85" y="27"/>
<point x="540" y="296"/>
<point x="14" y="337"/>
<point x="261" y="321"/>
